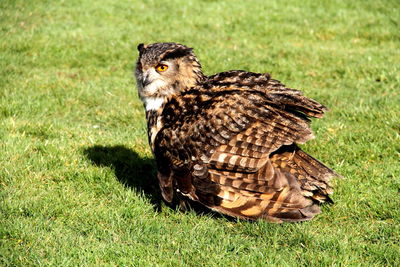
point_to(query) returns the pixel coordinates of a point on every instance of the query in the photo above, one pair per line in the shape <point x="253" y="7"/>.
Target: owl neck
<point x="154" y="104"/>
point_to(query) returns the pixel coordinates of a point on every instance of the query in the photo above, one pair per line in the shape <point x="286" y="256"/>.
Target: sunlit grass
<point x="77" y="176"/>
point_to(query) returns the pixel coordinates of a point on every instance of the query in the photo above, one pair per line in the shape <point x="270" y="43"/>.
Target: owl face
<point x="163" y="69"/>
<point x="156" y="77"/>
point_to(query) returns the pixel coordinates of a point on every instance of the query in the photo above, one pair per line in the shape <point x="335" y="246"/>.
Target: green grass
<point x="77" y="184"/>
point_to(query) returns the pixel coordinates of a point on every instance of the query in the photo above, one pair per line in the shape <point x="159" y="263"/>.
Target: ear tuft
<point x="140" y="48"/>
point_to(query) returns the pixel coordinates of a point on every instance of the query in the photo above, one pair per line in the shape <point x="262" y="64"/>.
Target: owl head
<point x="163" y="69"/>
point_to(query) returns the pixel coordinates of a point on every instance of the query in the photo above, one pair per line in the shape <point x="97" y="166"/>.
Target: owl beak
<point x="146" y="81"/>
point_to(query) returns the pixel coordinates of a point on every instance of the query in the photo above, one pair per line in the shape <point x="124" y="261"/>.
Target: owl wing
<point x="234" y="150"/>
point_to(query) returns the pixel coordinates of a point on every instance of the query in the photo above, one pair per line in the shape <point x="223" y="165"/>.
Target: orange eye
<point x="161" y="67"/>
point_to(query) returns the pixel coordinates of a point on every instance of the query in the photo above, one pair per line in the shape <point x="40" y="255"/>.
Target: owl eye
<point x="161" y="67"/>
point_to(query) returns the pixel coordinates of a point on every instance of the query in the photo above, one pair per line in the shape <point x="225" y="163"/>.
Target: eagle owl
<point x="230" y="141"/>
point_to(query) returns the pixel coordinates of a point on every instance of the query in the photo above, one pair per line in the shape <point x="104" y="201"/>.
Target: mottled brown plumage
<point x="229" y="141"/>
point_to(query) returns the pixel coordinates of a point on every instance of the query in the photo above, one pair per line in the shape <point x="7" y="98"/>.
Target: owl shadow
<point x="130" y="169"/>
<point x="140" y="174"/>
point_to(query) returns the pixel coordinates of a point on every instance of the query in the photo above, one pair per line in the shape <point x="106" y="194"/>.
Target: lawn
<point x="77" y="178"/>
